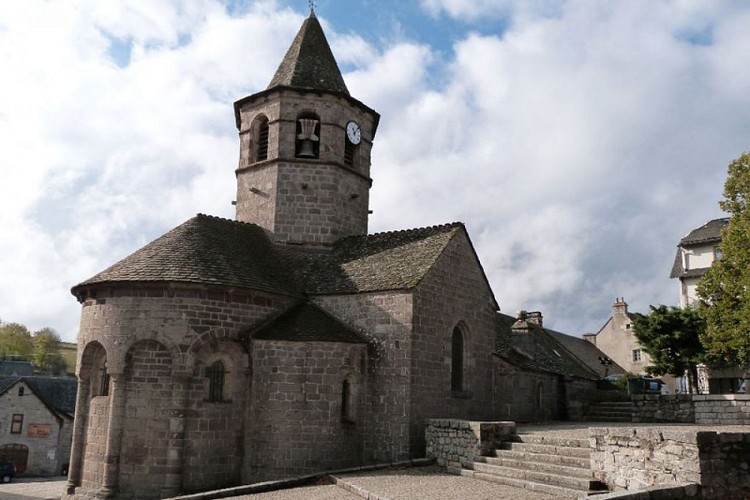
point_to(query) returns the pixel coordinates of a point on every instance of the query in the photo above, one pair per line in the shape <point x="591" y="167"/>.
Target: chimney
<point x="522" y="333"/>
<point x="620" y="307"/>
<point x="535" y="317"/>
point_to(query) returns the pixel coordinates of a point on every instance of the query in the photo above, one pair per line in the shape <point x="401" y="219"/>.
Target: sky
<point x="578" y="140"/>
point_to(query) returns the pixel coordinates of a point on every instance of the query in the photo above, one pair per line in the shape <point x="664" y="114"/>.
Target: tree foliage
<point x="42" y="349"/>
<point x="725" y="288"/>
<point x="671" y="337"/>
<point x="46" y="354"/>
<point x="15" y="342"/>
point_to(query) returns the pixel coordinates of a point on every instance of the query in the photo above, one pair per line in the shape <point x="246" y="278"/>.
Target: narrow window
<point x="104" y="381"/>
<point x="20" y="391"/>
<point x="349" y="153"/>
<point x="16" y="424"/>
<point x="262" y="141"/>
<point x="215" y="375"/>
<point x="636" y="355"/>
<point x="717" y="253"/>
<point x="457" y="360"/>
<point x="346" y="402"/>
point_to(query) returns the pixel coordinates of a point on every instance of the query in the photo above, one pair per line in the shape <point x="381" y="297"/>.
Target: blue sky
<point x="578" y="140"/>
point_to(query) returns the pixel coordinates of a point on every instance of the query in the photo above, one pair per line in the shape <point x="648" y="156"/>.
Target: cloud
<point x="578" y="144"/>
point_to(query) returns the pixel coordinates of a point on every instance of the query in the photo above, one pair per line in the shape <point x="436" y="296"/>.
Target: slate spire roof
<point x="309" y="62"/>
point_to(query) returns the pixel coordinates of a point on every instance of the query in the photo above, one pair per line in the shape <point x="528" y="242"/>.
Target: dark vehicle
<point x="7" y="471"/>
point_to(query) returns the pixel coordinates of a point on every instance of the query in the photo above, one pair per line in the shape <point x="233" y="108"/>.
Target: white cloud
<point x="579" y="144"/>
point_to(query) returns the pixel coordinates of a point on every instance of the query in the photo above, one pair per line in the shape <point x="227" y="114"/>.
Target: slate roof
<point x="710" y="231"/>
<point x="306" y="322"/>
<point x="707" y="233"/>
<point x="206" y="250"/>
<point x="214" y="251"/>
<point x="309" y="62"/>
<point x="586" y="352"/>
<point x="394" y="260"/>
<point x="16" y="368"/>
<point x="57" y="393"/>
<point x="549" y="355"/>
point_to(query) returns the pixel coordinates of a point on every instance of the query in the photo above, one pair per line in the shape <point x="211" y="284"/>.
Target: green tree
<point x="671" y="337"/>
<point x="725" y="288"/>
<point x="15" y="342"/>
<point x="46" y="354"/>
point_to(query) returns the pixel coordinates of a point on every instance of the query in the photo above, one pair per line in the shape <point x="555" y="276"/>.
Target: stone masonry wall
<point x="189" y="324"/>
<point x="724" y="409"/>
<point x="627" y="458"/>
<point x="523" y="395"/>
<point x="663" y="408"/>
<point x="297" y="422"/>
<point x="46" y="455"/>
<point x="458" y="443"/>
<point x="454" y="293"/>
<point x="386" y="412"/>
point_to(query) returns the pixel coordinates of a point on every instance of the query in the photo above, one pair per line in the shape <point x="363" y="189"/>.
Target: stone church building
<point x="289" y="340"/>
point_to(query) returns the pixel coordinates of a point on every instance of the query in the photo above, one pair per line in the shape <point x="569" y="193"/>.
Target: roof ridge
<point x="410" y="230"/>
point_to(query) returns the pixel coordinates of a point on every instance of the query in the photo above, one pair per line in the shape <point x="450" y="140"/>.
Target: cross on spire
<point x="311" y="3"/>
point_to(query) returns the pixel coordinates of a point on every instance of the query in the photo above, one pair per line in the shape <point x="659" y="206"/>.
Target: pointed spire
<point x="309" y="62"/>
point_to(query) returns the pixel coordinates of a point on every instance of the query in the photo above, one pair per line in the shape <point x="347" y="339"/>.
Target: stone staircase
<point x="554" y="466"/>
<point x="610" y="411"/>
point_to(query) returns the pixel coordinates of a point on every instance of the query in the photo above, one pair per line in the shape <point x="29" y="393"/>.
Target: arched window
<point x="262" y="140"/>
<point x="457" y="360"/>
<point x="215" y="375"/>
<point x="307" y="144"/>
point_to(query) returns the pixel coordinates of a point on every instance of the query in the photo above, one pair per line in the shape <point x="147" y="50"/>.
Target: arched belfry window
<point x="215" y="376"/>
<point x="457" y="360"/>
<point x="307" y="144"/>
<point x="262" y="151"/>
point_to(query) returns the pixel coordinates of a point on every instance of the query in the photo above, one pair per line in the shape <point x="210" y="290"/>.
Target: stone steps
<point x="610" y="411"/>
<point x="546" y="464"/>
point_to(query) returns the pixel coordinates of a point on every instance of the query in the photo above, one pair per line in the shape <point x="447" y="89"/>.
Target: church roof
<point x="306" y="322"/>
<point x="309" y="62"/>
<point x="549" y="355"/>
<point x="206" y="250"/>
<point x="214" y="251"/>
<point x="394" y="260"/>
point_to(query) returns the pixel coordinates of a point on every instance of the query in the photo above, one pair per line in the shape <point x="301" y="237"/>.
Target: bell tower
<point x="304" y="168"/>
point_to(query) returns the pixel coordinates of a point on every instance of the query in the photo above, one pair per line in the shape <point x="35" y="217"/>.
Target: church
<point x="290" y="340"/>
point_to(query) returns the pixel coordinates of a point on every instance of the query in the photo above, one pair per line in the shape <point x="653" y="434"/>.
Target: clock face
<point x="353" y="133"/>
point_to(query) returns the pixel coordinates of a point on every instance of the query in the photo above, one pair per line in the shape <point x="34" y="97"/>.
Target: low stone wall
<point x="709" y="409"/>
<point x="724" y="409"/>
<point x="631" y="459"/>
<point x="676" y="408"/>
<point x="453" y="442"/>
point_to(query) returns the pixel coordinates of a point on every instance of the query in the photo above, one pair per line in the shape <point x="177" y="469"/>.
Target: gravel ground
<point x="23" y="488"/>
<point x="329" y="492"/>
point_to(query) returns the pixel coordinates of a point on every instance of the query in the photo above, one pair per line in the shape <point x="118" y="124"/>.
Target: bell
<point x="306" y="149"/>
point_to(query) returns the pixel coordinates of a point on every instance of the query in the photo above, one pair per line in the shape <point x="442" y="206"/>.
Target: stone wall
<point x="676" y="408"/>
<point x="524" y="395"/>
<point x="459" y="442"/>
<point x="386" y="412"/>
<point x="724" y="409"/>
<point x="95" y="446"/>
<point x="454" y="294"/>
<point x="297" y="424"/>
<point x="627" y="458"/>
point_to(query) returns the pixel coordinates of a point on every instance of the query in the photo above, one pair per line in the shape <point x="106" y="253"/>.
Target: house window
<point x="215" y="375"/>
<point x="21" y="390"/>
<point x="16" y="424"/>
<point x="717" y="253"/>
<point x="262" y="153"/>
<point x="457" y="360"/>
<point x="627" y="327"/>
<point x="636" y="355"/>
